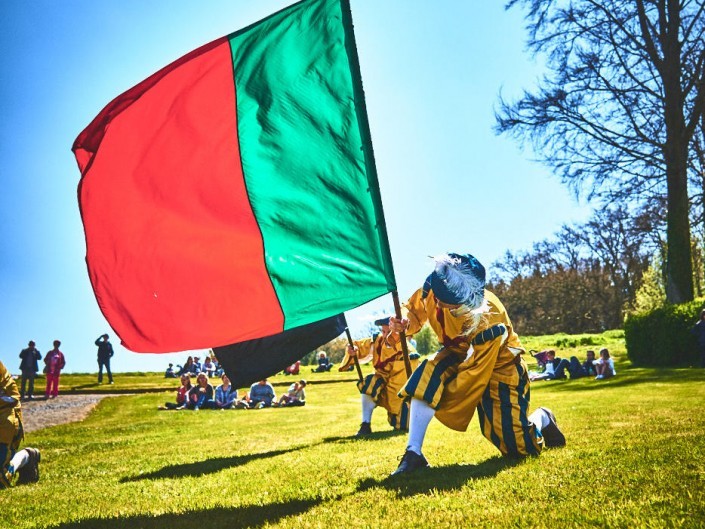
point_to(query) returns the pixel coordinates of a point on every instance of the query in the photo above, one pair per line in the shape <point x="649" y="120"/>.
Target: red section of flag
<point x="161" y="163"/>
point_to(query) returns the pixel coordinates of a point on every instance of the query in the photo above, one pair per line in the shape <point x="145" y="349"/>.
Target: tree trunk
<point x="679" y="266"/>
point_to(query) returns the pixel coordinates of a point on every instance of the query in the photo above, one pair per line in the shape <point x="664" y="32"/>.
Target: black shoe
<point x="365" y="429"/>
<point x="552" y="436"/>
<point x="30" y="472"/>
<point x="409" y="462"/>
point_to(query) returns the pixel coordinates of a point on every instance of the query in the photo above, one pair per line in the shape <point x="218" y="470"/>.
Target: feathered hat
<point x="459" y="279"/>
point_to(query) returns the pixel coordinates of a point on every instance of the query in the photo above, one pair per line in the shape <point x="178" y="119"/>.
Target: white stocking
<point x="420" y="417"/>
<point x="540" y="419"/>
<point x="19" y="460"/>
<point x="368" y="406"/>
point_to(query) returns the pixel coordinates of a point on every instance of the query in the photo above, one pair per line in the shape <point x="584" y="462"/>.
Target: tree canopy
<point x="617" y="113"/>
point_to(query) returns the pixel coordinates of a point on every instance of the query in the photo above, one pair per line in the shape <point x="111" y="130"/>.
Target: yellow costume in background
<point x="390" y="375"/>
<point x="480" y="370"/>
<point x="11" y="431"/>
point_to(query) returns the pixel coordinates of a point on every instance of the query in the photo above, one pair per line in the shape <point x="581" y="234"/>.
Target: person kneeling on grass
<point x="295" y="395"/>
<point x="17" y="467"/>
<point x="381" y="387"/>
<point x="480" y="366"/>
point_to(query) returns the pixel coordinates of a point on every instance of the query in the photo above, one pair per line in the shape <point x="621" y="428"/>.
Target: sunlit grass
<point x="635" y="458"/>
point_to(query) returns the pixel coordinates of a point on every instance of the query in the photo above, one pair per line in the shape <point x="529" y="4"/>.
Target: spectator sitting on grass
<point x="324" y="364"/>
<point x="295" y="395"/>
<point x="196" y="367"/>
<point x="604" y="365"/>
<point x="261" y="395"/>
<point x="589" y="364"/>
<point x="169" y="373"/>
<point x="201" y="395"/>
<point x="188" y="366"/>
<point x="555" y="367"/>
<point x="225" y="394"/>
<point x="293" y="369"/>
<point x="181" y="395"/>
<point x="208" y="366"/>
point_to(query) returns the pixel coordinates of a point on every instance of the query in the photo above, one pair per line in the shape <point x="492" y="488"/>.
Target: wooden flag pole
<point x="402" y="334"/>
<point x="357" y="362"/>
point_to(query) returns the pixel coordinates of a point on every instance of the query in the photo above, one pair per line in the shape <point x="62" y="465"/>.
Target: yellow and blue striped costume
<point x="482" y="370"/>
<point x="11" y="432"/>
<point x="390" y="375"/>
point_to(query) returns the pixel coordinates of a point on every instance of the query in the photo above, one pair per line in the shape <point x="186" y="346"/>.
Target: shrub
<point x="662" y="337"/>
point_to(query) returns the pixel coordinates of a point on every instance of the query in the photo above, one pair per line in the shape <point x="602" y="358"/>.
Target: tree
<point x="617" y="112"/>
<point x="583" y="280"/>
<point x="426" y="341"/>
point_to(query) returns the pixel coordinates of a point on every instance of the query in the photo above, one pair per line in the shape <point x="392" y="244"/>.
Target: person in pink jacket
<point x="54" y="362"/>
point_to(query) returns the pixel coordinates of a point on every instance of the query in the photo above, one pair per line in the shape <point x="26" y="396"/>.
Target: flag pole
<point x="402" y="334"/>
<point x="357" y="362"/>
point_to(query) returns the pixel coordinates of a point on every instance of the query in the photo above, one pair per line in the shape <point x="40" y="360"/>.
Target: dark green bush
<point x="662" y="337"/>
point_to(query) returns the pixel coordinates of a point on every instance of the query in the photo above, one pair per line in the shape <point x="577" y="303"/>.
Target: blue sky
<point x="432" y="72"/>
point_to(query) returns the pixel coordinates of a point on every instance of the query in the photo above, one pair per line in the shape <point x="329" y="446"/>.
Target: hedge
<point x="663" y="336"/>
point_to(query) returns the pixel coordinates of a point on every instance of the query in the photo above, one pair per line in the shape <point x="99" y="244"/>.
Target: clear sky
<point x="432" y="72"/>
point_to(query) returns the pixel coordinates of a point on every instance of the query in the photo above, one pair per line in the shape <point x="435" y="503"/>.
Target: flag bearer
<point x="480" y="366"/>
<point x="16" y="467"/>
<point x="381" y="388"/>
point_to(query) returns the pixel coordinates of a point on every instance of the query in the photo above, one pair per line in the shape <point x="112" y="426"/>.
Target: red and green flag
<point x="233" y="195"/>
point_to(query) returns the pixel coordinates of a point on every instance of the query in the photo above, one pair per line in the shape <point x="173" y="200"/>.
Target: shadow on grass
<point x="248" y="516"/>
<point x="209" y="466"/>
<point x="85" y="386"/>
<point x="371" y="437"/>
<point x="451" y="477"/>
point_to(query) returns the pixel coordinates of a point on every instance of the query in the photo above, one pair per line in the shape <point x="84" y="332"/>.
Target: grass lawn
<point x="635" y="458"/>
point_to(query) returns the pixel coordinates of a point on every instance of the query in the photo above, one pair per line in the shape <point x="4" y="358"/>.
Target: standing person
<point x="105" y="353"/>
<point x="29" y="366"/>
<point x="54" y="362"/>
<point x="381" y="388"/>
<point x="16" y="467"/>
<point x="699" y="331"/>
<point x="480" y="366"/>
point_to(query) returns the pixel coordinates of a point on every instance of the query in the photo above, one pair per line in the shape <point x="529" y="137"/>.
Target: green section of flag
<point x="307" y="160"/>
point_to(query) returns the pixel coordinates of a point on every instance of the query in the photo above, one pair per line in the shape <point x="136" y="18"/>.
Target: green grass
<point x="635" y="458"/>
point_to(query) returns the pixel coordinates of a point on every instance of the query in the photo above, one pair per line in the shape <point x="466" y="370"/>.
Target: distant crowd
<point x="202" y="395"/>
<point x="552" y="367"/>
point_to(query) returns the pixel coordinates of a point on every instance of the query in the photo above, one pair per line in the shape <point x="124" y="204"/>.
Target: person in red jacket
<point x="54" y="362"/>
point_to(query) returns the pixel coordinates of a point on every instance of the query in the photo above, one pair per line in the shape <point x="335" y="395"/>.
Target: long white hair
<point x="460" y="279"/>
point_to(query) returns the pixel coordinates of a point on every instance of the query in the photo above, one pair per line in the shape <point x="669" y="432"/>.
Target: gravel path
<point x="40" y="413"/>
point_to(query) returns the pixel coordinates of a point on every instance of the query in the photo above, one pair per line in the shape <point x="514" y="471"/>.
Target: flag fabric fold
<point x="248" y="362"/>
<point x="233" y="195"/>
